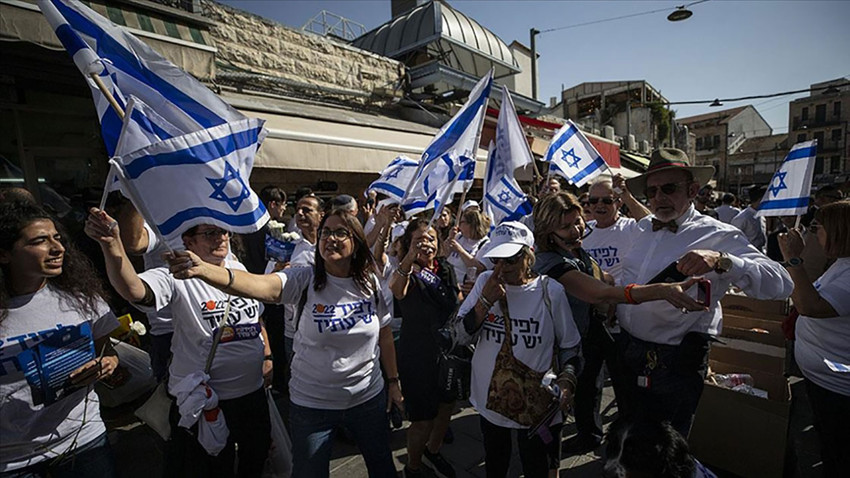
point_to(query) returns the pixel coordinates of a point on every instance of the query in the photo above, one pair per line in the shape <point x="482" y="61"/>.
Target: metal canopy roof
<point x="446" y="36"/>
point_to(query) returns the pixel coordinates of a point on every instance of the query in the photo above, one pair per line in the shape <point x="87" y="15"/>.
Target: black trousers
<point x="247" y="419"/>
<point x="676" y="378"/>
<point x="832" y="421"/>
<point x="536" y="456"/>
<point x="598" y="347"/>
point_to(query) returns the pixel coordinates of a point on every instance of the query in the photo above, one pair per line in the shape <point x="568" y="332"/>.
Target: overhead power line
<point x="753" y="97"/>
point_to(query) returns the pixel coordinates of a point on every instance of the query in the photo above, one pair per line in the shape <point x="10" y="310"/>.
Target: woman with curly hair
<point x="342" y="330"/>
<point x="47" y="289"/>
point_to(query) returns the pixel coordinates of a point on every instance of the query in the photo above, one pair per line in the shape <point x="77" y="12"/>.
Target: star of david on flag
<point x="573" y="157"/>
<point x="395" y="177"/>
<point x="503" y="199"/>
<point x="788" y="191"/>
<point x="196" y="178"/>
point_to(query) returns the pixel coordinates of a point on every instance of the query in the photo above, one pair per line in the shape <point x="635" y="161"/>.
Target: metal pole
<point x="534" y="32"/>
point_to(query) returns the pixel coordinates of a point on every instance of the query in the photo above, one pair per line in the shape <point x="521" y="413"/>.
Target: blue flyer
<point x="48" y="365"/>
<point x="277" y="250"/>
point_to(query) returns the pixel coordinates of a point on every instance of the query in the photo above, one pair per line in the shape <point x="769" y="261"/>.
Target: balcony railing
<point x="828" y="120"/>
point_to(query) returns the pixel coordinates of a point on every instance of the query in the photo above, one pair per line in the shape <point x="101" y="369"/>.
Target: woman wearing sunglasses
<point x="47" y="285"/>
<point x="426" y="293"/>
<point x="512" y="295"/>
<point x="823" y="330"/>
<point x="342" y="330"/>
<point x="236" y="374"/>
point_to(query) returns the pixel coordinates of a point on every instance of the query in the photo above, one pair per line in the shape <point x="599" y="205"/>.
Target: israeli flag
<point x="573" y="157"/>
<point x="450" y="155"/>
<point x="127" y="66"/>
<point x="503" y="198"/>
<point x="196" y="178"/>
<point x="395" y="177"/>
<point x="788" y="191"/>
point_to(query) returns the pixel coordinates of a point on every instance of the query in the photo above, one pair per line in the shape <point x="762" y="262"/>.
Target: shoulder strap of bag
<point x="301" y="303"/>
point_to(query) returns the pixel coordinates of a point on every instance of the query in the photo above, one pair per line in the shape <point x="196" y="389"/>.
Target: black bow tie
<point x="671" y="225"/>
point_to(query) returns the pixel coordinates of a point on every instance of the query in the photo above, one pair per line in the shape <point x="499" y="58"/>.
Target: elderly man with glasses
<point x="665" y="349"/>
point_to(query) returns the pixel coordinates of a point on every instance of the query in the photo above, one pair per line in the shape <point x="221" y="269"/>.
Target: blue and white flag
<point x="197" y="178"/>
<point x="788" y="191"/>
<point x="395" y="177"/>
<point x="573" y="157"/>
<point x="127" y="66"/>
<point x="450" y="156"/>
<point x="503" y="198"/>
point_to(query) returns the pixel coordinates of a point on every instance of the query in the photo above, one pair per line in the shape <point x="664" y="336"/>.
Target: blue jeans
<point x="312" y="431"/>
<point x="94" y="459"/>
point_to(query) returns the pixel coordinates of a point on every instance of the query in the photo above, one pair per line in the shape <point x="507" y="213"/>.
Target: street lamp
<point x="679" y="14"/>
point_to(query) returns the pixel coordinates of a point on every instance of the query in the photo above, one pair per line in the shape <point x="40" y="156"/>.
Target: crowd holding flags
<point x="395" y="178"/>
<point x="448" y="163"/>
<point x="503" y="197"/>
<point x="185" y="164"/>
<point x="573" y="157"/>
<point x="788" y="191"/>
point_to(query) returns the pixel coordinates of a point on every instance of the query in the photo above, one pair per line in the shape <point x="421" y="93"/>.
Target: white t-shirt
<point x="304" y="255"/>
<point x="31" y="433"/>
<point x="608" y="245"/>
<point x="534" y="332"/>
<point x="197" y="307"/>
<point x="336" y="348"/>
<point x="819" y="339"/>
<point x="754" y="227"/>
<point x="471" y="246"/>
<point x="160" y="321"/>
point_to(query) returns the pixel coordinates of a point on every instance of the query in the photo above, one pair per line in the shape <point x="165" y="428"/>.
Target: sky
<point x="727" y="49"/>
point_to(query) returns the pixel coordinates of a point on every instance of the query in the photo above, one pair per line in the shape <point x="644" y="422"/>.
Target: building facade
<point x="755" y="161"/>
<point x="824" y="116"/>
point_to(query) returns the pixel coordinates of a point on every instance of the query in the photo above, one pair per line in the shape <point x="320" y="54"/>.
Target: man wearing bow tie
<point x="665" y="350"/>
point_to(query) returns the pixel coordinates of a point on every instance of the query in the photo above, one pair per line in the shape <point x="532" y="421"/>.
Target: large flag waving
<point x="573" y="157"/>
<point x="128" y="66"/>
<point x="788" y="191"/>
<point x="503" y="198"/>
<point x="197" y="178"/>
<point x="446" y="163"/>
<point x="395" y="177"/>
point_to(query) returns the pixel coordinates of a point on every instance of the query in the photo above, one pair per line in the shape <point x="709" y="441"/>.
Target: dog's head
<point x="646" y="449"/>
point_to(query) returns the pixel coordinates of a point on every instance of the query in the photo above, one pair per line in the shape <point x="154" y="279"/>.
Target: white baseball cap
<point x="469" y="204"/>
<point x="398" y="230"/>
<point x="508" y="238"/>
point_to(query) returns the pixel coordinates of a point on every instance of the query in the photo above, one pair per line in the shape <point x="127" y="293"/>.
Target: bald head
<point x="15" y="194"/>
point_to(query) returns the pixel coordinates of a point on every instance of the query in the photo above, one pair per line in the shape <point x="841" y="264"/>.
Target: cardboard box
<point x="741" y="433"/>
<point x="742" y="305"/>
<point x="764" y="331"/>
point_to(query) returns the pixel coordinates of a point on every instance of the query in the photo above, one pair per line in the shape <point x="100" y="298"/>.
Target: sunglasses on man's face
<point x="213" y="233"/>
<point x="668" y="189"/>
<point x="606" y="200"/>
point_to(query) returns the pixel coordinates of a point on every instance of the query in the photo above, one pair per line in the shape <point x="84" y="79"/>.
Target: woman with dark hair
<point x="49" y="290"/>
<point x="823" y="329"/>
<point x="342" y="329"/>
<point x="426" y="294"/>
<point x="236" y="372"/>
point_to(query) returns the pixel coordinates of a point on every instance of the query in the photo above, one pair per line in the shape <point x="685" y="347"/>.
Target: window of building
<point x="805" y="113"/>
<point x="836" y="135"/>
<point x="716" y="141"/>
<point x="801" y="137"/>
<point x="820" y="113"/>
<point x="819" y="166"/>
<point x="819" y="137"/>
<point x="699" y="143"/>
<point x="835" y="164"/>
<point x="836" y="109"/>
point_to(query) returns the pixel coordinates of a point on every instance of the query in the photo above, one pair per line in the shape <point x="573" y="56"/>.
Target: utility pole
<point x="534" y="32"/>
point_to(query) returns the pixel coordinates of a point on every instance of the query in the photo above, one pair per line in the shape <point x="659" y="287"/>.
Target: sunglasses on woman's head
<point x="668" y="189"/>
<point x="606" y="200"/>
<point x="338" y="234"/>
<point x="814" y="226"/>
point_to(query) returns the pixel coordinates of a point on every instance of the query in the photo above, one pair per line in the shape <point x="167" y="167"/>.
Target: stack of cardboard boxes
<point x="733" y="431"/>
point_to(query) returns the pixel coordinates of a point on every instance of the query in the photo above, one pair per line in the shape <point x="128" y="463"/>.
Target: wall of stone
<point x="250" y="43"/>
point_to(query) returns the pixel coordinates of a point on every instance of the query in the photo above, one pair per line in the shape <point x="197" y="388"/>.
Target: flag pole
<point x="108" y="94"/>
<point x="130" y="189"/>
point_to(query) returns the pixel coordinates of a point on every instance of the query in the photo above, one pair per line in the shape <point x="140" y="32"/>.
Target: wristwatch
<point x="793" y="262"/>
<point x="724" y="263"/>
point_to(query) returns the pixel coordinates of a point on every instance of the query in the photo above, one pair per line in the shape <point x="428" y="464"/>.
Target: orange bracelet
<point x="628" y="293"/>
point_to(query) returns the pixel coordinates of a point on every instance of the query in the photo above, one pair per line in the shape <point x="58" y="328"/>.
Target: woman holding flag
<point x="235" y="374"/>
<point x="342" y="330"/>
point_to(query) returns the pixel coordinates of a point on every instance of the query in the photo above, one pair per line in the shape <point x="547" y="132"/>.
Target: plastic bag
<point x="279" y="461"/>
<point x="154" y="412"/>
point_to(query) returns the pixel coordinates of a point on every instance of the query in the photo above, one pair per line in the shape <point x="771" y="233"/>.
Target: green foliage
<point x="662" y="119"/>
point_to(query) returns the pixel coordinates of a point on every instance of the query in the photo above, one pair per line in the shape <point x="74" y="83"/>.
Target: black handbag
<point x="455" y="372"/>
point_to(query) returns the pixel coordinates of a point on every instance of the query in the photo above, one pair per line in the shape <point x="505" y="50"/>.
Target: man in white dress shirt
<point x="665" y="350"/>
<point x="754" y="227"/>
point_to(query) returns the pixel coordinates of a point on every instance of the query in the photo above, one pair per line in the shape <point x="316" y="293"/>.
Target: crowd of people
<point x="349" y="329"/>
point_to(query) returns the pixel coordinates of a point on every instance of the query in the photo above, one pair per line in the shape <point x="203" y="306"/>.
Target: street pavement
<point x="139" y="451"/>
